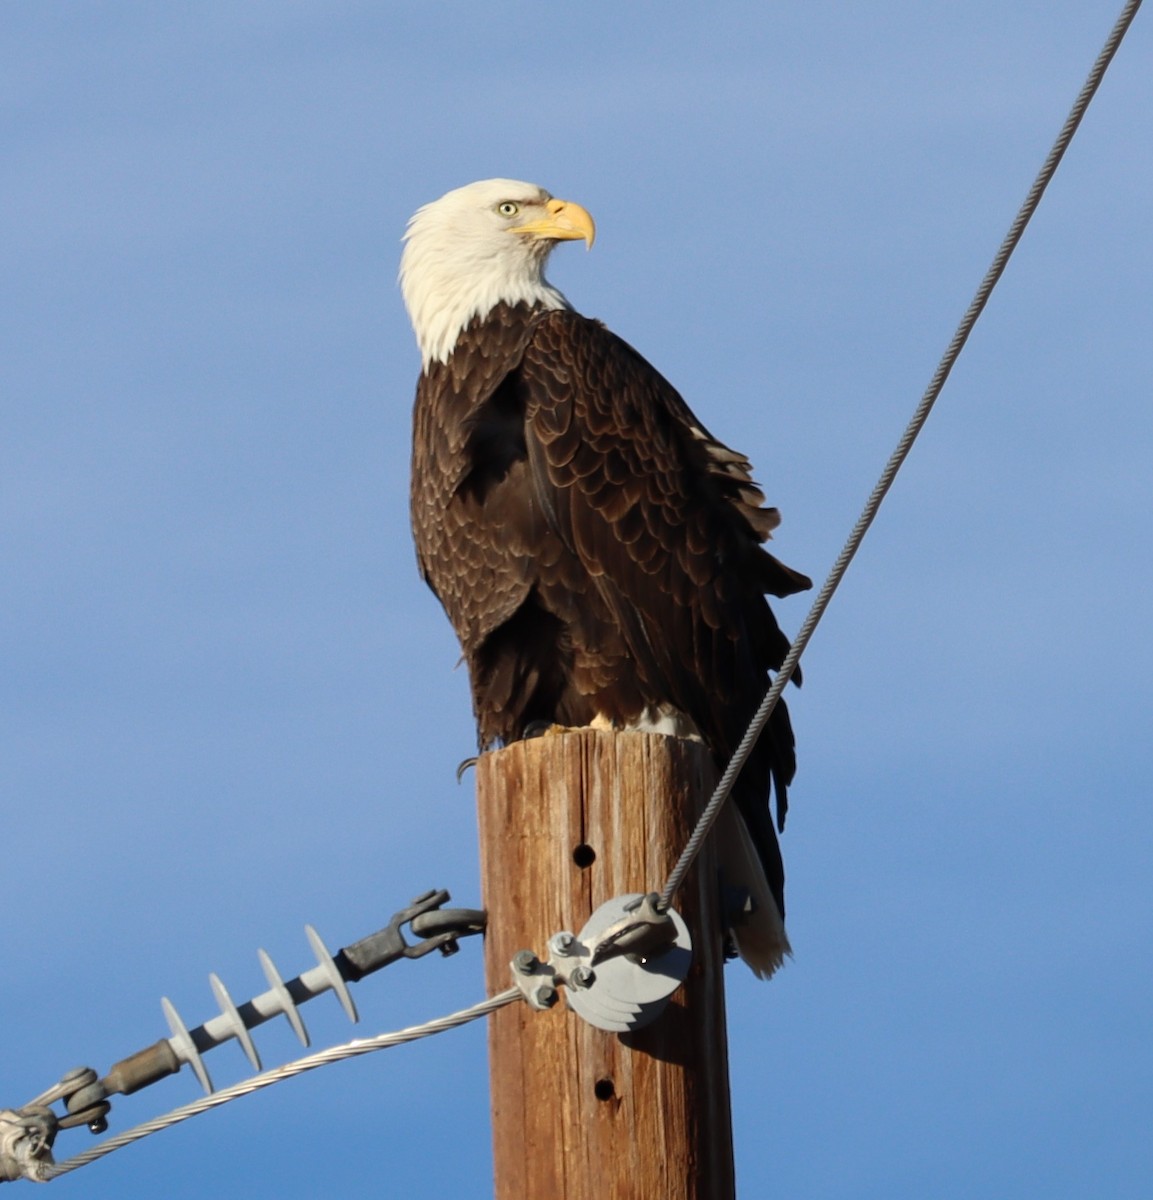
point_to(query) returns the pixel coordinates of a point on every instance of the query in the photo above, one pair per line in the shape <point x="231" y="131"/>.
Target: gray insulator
<point x="182" y="1043"/>
<point x="331" y="974"/>
<point x="283" y="996"/>
<point x="235" y="1025"/>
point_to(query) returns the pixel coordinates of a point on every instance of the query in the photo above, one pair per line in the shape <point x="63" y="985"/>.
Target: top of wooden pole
<point x="568" y="821"/>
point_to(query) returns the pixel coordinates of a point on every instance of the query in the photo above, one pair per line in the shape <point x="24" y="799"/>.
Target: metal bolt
<point x="544" y="996"/>
<point x="562" y="943"/>
<point x="582" y="977"/>
<point x="525" y="962"/>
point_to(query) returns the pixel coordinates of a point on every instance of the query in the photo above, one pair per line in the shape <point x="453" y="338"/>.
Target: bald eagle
<point x="596" y="549"/>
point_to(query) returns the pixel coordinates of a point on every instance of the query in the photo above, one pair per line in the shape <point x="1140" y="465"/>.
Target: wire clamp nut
<point x="536" y="980"/>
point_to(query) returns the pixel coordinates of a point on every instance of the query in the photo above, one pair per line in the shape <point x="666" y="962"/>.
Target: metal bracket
<point x="26" y="1137"/>
<point x="643" y="931"/>
<point x="619" y="972"/>
<point x="537" y="980"/>
<point x="438" y="928"/>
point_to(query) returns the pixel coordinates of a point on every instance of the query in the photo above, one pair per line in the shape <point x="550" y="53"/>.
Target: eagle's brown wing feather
<point x="596" y="549"/>
<point x="667" y="523"/>
<point x="481" y="573"/>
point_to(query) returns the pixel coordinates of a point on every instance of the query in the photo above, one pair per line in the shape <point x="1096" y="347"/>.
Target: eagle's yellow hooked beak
<point x="566" y="222"/>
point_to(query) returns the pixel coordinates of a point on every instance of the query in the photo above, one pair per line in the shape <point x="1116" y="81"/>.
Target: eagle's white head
<point x="476" y="247"/>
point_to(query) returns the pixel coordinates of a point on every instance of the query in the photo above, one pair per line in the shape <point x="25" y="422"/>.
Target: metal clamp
<point x="536" y="979"/>
<point x="645" y="930"/>
<point x="619" y="971"/>
<point x="438" y="928"/>
<point x="633" y="959"/>
<point x="26" y="1137"/>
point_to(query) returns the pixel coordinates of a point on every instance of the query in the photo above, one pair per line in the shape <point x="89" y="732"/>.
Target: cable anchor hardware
<point x="26" y="1134"/>
<point x="537" y="980"/>
<point x="644" y="931"/>
<point x="619" y="971"/>
<point x="438" y="928"/>
<point x="26" y="1137"/>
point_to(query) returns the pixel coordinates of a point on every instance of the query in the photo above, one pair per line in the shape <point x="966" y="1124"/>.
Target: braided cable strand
<point x="298" y="1066"/>
<point x="920" y="416"/>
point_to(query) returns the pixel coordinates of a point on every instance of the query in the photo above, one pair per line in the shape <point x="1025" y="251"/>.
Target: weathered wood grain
<point x="579" y="1113"/>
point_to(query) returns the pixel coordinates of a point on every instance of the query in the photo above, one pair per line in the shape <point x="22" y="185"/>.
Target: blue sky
<point x="230" y="705"/>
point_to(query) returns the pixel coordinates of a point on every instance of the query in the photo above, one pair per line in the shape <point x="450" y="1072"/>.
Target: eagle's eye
<point x="508" y="209"/>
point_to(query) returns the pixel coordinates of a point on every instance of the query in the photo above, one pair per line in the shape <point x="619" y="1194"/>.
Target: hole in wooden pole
<point x="603" y="1089"/>
<point x="584" y="856"/>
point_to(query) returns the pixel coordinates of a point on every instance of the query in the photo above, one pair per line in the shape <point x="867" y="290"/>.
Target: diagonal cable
<point x="298" y="1066"/>
<point x="920" y="416"/>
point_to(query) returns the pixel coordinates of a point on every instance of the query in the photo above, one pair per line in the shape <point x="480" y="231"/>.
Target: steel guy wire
<point x="310" y="1062"/>
<point x="920" y="416"/>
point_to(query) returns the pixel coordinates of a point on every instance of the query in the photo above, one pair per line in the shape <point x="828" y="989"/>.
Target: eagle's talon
<point x="535" y="729"/>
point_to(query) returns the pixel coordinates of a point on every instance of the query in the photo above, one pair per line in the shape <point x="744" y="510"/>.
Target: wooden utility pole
<point x="568" y="821"/>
